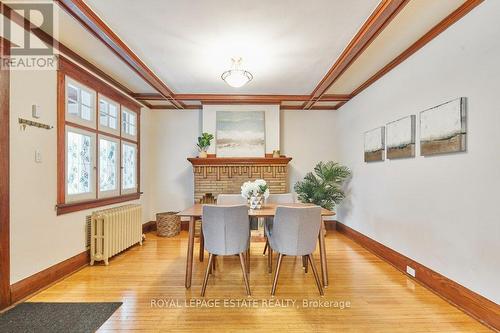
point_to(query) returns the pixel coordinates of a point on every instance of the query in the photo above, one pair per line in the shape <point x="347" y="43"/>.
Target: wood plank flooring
<point x="149" y="280"/>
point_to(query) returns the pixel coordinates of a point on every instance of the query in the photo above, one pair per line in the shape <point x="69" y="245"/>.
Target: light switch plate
<point x="38" y="156"/>
<point x="35" y="111"/>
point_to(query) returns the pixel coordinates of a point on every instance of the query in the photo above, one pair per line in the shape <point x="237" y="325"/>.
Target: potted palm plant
<point x="204" y="142"/>
<point x="324" y="186"/>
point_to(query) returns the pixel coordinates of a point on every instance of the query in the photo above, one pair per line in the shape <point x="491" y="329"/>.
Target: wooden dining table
<point x="269" y="210"/>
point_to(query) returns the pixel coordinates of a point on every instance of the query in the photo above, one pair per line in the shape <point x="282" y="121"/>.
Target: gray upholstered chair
<point x="226" y="231"/>
<point x="231" y="199"/>
<point x="279" y="198"/>
<point x="294" y="232"/>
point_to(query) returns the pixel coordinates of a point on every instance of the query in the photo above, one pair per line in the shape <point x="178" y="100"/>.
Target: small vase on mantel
<point x="256" y="201"/>
<point x="203" y="154"/>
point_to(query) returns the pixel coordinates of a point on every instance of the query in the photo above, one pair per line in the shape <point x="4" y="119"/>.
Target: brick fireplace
<point x="226" y="175"/>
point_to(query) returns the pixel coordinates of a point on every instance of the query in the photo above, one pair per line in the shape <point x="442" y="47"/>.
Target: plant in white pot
<point x="204" y="142"/>
<point x="255" y="192"/>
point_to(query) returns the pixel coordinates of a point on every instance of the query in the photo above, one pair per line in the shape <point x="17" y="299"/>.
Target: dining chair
<point x="294" y="232"/>
<point x="279" y="198"/>
<point x="231" y="199"/>
<point x="226" y="231"/>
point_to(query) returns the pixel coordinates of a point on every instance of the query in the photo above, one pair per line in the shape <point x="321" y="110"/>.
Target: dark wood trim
<point x="91" y="21"/>
<point x="475" y="305"/>
<point x="45" y="278"/>
<point x="424" y="40"/>
<point x="238" y="160"/>
<point x="330" y="224"/>
<point x="81" y="75"/>
<point x="233" y="98"/>
<point x="376" y="23"/>
<point x="149" y="227"/>
<point x="77" y="206"/>
<point x="301" y="107"/>
<point x="4" y="178"/>
<point x="171" y="107"/>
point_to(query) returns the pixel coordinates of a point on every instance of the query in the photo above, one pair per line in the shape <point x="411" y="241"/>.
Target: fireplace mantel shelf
<point x="239" y="160"/>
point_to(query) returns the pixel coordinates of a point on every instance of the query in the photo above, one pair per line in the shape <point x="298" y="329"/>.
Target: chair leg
<point x="276" y="274"/>
<point x="304" y="263"/>
<point x="202" y="245"/>
<point x="248" y="260"/>
<point x="265" y="248"/>
<point x="316" y="276"/>
<point x="207" y="272"/>
<point x="245" y="275"/>
<point x="270" y="260"/>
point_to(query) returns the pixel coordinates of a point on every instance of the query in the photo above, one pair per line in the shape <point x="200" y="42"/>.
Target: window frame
<point x="115" y="192"/>
<point x="106" y="128"/>
<point x="70" y="72"/>
<point x="124" y="133"/>
<point x="93" y="168"/>
<point x="122" y="167"/>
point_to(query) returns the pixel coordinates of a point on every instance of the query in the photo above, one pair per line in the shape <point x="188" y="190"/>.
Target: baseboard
<point x="43" y="279"/>
<point x="475" y="305"/>
<point x="148" y="227"/>
<point x="330" y="224"/>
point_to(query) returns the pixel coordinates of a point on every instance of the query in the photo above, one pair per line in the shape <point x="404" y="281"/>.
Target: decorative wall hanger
<point x="26" y="122"/>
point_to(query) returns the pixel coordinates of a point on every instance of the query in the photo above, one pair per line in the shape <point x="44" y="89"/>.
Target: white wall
<point x="39" y="238"/>
<point x="272" y="122"/>
<point x="441" y="211"/>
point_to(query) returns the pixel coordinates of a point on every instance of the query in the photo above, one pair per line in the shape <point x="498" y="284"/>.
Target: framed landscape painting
<point x="443" y="128"/>
<point x="375" y="145"/>
<point x="240" y="134"/>
<point x="401" y="138"/>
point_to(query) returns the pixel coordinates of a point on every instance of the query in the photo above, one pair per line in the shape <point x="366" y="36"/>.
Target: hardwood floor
<point x="381" y="299"/>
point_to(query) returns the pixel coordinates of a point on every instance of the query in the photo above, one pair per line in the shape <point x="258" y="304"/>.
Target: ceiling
<point x="313" y="54"/>
<point x="288" y="45"/>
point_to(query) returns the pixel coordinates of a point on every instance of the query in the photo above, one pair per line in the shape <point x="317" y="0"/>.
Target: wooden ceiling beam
<point x="376" y="23"/>
<point x="232" y="98"/>
<point x="456" y="15"/>
<point x="89" y="20"/>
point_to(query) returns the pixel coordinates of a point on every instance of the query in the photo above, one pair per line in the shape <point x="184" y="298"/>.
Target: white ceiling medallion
<point x="237" y="77"/>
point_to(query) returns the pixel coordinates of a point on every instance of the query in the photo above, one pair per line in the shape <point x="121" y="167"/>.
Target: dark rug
<point x="56" y="317"/>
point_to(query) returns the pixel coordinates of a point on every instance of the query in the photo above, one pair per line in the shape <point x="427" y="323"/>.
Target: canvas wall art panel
<point x="240" y="134"/>
<point x="443" y="128"/>
<point x="401" y="138"/>
<point x="375" y="145"/>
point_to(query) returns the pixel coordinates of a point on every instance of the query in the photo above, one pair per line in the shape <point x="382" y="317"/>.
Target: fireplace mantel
<point x="196" y="161"/>
<point x="216" y="175"/>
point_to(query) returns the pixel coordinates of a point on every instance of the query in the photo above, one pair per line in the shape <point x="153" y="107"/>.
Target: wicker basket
<point x="168" y="224"/>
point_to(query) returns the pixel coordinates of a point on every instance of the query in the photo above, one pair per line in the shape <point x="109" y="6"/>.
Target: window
<point x="80" y="164"/>
<point x="129" y="167"/>
<point x="108" y="167"/>
<point x="108" y="115"/>
<point x="98" y="142"/>
<point x="79" y="104"/>
<point x="128" y="123"/>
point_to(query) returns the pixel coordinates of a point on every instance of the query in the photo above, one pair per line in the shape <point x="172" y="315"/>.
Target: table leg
<point x="189" y="259"/>
<point x="322" y="252"/>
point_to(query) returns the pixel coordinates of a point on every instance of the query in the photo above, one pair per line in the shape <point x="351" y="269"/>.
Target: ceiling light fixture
<point x="237" y="77"/>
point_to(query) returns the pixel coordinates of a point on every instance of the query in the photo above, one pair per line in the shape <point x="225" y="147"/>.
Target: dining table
<point x="194" y="213"/>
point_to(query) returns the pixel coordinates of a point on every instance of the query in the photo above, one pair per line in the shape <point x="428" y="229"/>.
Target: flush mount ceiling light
<point x="237" y="77"/>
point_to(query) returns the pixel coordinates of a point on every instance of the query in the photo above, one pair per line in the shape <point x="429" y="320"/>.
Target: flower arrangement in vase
<point x="255" y="192"/>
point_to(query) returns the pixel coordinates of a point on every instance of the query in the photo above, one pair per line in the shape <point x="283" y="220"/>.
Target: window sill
<point x="77" y="206"/>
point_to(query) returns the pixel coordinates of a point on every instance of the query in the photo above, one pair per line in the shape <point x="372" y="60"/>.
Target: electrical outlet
<point x="410" y="271"/>
<point x="38" y="156"/>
